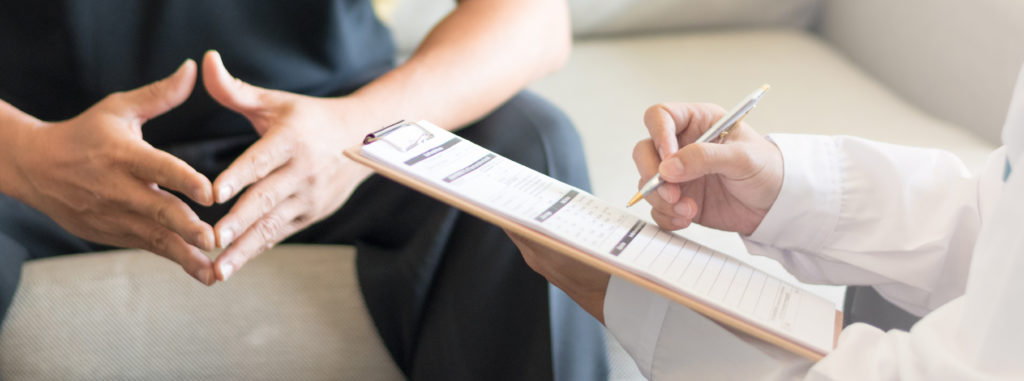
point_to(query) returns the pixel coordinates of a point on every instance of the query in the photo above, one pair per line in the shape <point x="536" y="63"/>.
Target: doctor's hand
<point x="97" y="178"/>
<point x="728" y="186"/>
<point x="295" y="174"/>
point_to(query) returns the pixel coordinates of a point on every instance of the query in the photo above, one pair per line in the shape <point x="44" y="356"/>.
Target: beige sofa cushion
<point x="958" y="60"/>
<point x="293" y="313"/>
<point x="412" y="19"/>
<point x="603" y="17"/>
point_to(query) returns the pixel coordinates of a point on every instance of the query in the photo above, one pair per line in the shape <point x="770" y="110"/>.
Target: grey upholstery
<point x="293" y="313"/>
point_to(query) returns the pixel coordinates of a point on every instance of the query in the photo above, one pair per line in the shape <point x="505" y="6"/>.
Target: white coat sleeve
<point x="975" y="336"/>
<point x="857" y="212"/>
<point x="850" y="212"/>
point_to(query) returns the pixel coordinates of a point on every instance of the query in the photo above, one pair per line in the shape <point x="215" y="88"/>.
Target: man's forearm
<point x="474" y="60"/>
<point x="13" y="124"/>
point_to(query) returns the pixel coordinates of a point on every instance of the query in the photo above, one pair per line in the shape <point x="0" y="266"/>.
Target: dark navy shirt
<point x="59" y="57"/>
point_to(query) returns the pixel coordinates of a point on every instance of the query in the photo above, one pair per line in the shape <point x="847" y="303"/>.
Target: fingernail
<point x="225" y="270"/>
<point x="663" y="192"/>
<point x="226" y="235"/>
<point x="204" y="276"/>
<point x="223" y="193"/>
<point x="681" y="209"/>
<point x="204" y="240"/>
<point x="200" y="195"/>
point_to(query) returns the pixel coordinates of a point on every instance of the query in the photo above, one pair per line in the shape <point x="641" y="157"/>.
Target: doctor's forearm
<point x="475" y="59"/>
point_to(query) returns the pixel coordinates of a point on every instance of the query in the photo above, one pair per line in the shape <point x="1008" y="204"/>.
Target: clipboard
<point x="417" y="143"/>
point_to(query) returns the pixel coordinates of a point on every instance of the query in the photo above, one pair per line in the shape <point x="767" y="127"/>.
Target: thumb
<point x="148" y="102"/>
<point x="701" y="159"/>
<point x="229" y="91"/>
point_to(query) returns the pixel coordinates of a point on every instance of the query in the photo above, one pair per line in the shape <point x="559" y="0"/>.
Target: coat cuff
<point x="635" y="317"/>
<point x="807" y="209"/>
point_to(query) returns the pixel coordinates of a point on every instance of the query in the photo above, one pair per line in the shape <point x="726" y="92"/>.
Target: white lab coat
<point x="914" y="223"/>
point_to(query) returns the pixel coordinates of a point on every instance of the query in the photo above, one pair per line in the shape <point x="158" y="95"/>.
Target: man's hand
<point x="728" y="186"/>
<point x="97" y="178"/>
<point x="583" y="283"/>
<point x="295" y="173"/>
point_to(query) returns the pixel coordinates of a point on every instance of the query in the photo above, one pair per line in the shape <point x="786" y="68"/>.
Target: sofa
<point x="917" y="72"/>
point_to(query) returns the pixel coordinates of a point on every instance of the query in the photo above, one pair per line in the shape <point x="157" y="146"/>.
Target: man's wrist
<point x="12" y="140"/>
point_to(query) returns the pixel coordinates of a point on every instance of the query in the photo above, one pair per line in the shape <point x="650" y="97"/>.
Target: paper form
<point x="598" y="228"/>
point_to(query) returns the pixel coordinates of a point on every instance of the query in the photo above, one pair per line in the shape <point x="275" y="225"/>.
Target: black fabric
<point x="58" y="58"/>
<point x="864" y="304"/>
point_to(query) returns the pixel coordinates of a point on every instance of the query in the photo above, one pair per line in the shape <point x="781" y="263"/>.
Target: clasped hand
<point x="96" y="177"/>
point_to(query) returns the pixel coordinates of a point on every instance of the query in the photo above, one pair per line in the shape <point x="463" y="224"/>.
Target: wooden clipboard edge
<point x="355" y="153"/>
<point x="838" y="328"/>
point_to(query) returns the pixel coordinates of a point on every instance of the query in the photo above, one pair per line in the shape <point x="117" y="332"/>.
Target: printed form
<point x="585" y="222"/>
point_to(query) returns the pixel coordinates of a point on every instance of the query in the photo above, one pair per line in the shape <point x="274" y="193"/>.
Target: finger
<point x="673" y="125"/>
<point x="659" y="203"/>
<point x="274" y="227"/>
<point x="165" y="243"/>
<point x="259" y="200"/>
<point x="169" y="212"/>
<point x="685" y="208"/>
<point x="528" y="253"/>
<point x="647" y="160"/>
<point x="670" y="222"/>
<point x="663" y="122"/>
<point x="161" y="96"/>
<point x="229" y="91"/>
<point x="696" y="160"/>
<point x="156" y="166"/>
<point x="257" y="162"/>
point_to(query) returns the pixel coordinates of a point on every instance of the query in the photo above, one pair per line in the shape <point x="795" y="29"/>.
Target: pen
<point x="717" y="131"/>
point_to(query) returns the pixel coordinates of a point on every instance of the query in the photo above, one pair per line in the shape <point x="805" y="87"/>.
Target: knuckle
<point x="302" y="219"/>
<point x="113" y="99"/>
<point x="267" y="200"/>
<point x="652" y="113"/>
<point x="259" y="165"/>
<point x="639" y="148"/>
<point x="238" y="84"/>
<point x="708" y="113"/>
<point x="162" y="214"/>
<point x="744" y="159"/>
<point x="698" y="155"/>
<point x="262" y="97"/>
<point x="159" y="240"/>
<point x="268" y="227"/>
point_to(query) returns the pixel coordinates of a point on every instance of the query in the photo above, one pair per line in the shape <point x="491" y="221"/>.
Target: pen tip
<point x="765" y="87"/>
<point x="636" y="198"/>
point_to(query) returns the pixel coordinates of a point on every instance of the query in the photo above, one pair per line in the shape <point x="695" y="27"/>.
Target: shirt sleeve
<point x="856" y="212"/>
<point x="671" y="342"/>
<point x="975" y="336"/>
